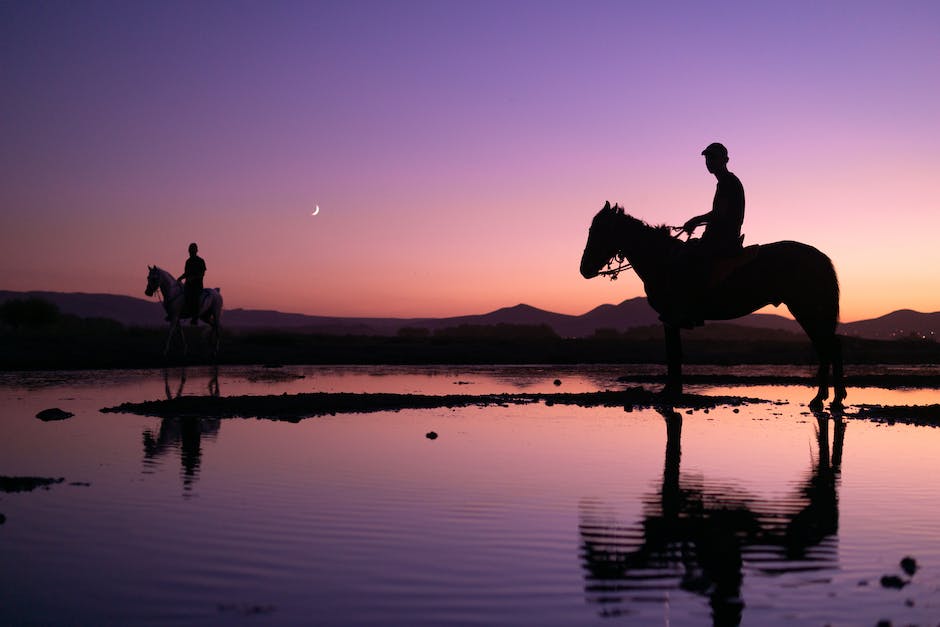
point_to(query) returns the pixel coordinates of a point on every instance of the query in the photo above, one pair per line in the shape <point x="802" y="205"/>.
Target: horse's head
<point x="153" y="280"/>
<point x="602" y="244"/>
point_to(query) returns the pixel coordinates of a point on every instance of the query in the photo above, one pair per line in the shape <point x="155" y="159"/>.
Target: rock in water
<point x="54" y="413"/>
<point x="892" y="581"/>
<point x="909" y="565"/>
<point x="431" y="435"/>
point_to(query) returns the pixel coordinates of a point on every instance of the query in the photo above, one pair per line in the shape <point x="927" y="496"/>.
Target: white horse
<point x="210" y="306"/>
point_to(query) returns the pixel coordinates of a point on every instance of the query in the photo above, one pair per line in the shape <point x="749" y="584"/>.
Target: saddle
<point x="186" y="311"/>
<point x="697" y="277"/>
<point x="723" y="267"/>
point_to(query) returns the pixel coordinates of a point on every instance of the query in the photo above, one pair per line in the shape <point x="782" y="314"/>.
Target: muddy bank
<point x="26" y="484"/>
<point x="923" y="415"/>
<point x="887" y="381"/>
<point x="294" y="407"/>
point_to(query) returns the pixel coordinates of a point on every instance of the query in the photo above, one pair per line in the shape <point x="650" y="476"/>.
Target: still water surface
<point x="525" y="514"/>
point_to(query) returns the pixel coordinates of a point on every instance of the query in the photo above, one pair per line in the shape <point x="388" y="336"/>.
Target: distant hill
<point x="904" y="323"/>
<point x="630" y="314"/>
<point x="127" y="310"/>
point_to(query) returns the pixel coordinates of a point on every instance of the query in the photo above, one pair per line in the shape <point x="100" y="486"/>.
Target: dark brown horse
<point x="792" y="273"/>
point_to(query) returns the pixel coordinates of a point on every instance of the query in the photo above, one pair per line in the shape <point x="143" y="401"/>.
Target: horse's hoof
<point x="816" y="404"/>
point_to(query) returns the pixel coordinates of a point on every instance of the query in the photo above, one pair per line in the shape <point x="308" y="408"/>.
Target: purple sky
<point x="457" y="151"/>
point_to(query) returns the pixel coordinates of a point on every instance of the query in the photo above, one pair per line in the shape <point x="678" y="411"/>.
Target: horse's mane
<point x="661" y="231"/>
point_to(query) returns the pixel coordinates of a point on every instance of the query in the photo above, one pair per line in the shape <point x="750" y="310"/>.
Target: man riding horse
<point x="722" y="237"/>
<point x="194" y="271"/>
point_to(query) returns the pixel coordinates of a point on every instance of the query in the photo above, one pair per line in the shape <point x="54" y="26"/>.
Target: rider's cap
<point x="716" y="150"/>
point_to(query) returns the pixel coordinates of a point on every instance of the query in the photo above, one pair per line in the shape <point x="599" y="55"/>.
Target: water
<point x="526" y="514"/>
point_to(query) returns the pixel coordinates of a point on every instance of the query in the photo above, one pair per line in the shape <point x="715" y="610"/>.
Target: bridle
<point x="613" y="272"/>
<point x="158" y="290"/>
<point x="621" y="258"/>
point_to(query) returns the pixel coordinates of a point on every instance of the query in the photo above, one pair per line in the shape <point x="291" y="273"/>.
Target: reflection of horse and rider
<point x="704" y="537"/>
<point x="716" y="278"/>
<point x="185" y="434"/>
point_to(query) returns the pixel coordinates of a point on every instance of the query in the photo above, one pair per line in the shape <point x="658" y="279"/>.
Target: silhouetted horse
<point x="792" y="273"/>
<point x="210" y="306"/>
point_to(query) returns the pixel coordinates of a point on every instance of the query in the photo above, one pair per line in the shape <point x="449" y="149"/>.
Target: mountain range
<point x="629" y="314"/>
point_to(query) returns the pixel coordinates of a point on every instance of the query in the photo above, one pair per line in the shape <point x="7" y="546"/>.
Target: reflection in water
<point x="184" y="434"/>
<point x="702" y="534"/>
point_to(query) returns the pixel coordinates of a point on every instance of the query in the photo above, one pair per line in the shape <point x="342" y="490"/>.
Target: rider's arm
<point x="691" y="224"/>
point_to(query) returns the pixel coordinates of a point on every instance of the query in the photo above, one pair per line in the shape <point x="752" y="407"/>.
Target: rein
<point x="161" y="298"/>
<point x="621" y="259"/>
<point x="613" y="272"/>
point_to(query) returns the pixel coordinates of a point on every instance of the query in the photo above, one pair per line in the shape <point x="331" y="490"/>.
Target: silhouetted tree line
<point x="36" y="335"/>
<point x="29" y="312"/>
<point x="36" y="314"/>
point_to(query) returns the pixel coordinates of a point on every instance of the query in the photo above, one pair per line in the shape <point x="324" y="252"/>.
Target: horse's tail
<point x="836" y="290"/>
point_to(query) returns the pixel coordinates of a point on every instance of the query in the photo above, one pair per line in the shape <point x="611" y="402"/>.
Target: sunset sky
<point x="457" y="150"/>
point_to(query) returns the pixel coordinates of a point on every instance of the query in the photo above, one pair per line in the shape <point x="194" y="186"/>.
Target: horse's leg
<point x="213" y="313"/>
<point x="179" y="327"/>
<point x="823" y="349"/>
<point x="169" y="337"/>
<point x="673" y="385"/>
<point x="819" y="326"/>
<point x="838" y="376"/>
<point x="212" y="334"/>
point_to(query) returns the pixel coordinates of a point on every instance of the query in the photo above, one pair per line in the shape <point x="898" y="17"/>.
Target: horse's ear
<point x="607" y="206"/>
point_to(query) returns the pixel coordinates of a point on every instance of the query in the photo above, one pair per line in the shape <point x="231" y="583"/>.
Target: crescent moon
<point x="316" y="211"/>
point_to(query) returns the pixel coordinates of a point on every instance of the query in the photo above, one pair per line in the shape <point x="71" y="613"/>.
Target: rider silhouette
<point x="193" y="272"/>
<point x="722" y="237"/>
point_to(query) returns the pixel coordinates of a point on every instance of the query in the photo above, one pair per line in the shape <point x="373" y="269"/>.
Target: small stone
<point x="557" y="381"/>
<point x="892" y="581"/>
<point x="431" y="435"/>
<point x="909" y="565"/>
<point x="54" y="413"/>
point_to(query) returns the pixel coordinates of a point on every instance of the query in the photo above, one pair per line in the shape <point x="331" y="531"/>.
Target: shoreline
<point x="297" y="407"/>
<point x="274" y="372"/>
<point x="97" y="349"/>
